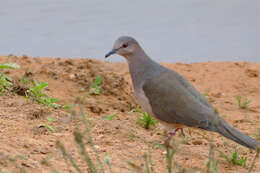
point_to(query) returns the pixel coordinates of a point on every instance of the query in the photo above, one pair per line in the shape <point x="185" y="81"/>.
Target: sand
<point x="122" y="139"/>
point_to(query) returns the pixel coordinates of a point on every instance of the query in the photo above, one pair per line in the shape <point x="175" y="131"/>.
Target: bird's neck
<point x="142" y="67"/>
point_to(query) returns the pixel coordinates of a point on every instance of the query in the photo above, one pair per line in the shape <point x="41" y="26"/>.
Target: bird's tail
<point x="231" y="133"/>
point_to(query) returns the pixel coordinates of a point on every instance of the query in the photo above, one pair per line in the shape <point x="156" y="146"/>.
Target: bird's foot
<point x="171" y="134"/>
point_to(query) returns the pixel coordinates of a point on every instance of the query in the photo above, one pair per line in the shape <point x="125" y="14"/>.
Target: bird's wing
<point x="174" y="100"/>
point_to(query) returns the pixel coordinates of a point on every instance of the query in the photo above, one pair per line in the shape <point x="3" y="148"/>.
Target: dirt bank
<point x="23" y="136"/>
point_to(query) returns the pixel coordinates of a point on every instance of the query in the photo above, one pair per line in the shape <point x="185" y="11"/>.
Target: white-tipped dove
<point x="169" y="97"/>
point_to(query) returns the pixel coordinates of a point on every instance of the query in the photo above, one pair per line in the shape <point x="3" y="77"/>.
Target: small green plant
<point x="110" y="117"/>
<point x="47" y="126"/>
<point x="169" y="156"/>
<point x="96" y="87"/>
<point x="9" y="66"/>
<point x="50" y="120"/>
<point x="24" y="79"/>
<point x="68" y="107"/>
<point x="146" y="120"/>
<point x="36" y="92"/>
<point x="80" y="138"/>
<point x="5" y="83"/>
<point x="206" y="93"/>
<point x="158" y="145"/>
<point x="132" y="137"/>
<point x="148" y="161"/>
<point x="212" y="163"/>
<point x="242" y="103"/>
<point x="235" y="158"/>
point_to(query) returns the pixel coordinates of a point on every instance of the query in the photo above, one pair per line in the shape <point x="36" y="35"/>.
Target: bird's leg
<point x="171" y="134"/>
<point x="182" y="132"/>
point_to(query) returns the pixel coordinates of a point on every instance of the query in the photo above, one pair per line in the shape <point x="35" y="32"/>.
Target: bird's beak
<point x="113" y="51"/>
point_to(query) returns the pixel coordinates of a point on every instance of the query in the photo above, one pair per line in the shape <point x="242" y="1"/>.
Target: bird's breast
<point x="143" y="100"/>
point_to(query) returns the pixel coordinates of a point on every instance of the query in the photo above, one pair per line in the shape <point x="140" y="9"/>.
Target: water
<point x="169" y="30"/>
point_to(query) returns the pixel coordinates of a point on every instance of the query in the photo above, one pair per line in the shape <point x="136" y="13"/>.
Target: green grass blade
<point x="87" y="131"/>
<point x="9" y="66"/>
<point x="79" y="140"/>
<point x="66" y="155"/>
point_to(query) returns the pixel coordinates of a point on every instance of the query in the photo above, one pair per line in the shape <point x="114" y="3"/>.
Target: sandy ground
<point x="122" y="139"/>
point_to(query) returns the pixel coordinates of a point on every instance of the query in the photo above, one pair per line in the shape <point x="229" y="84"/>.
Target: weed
<point x="234" y="158"/>
<point x="68" y="107"/>
<point x="158" y="145"/>
<point x="47" y="126"/>
<point x="5" y="83"/>
<point x="90" y="139"/>
<point x="79" y="139"/>
<point x="169" y="156"/>
<point x="24" y="79"/>
<point x="66" y="156"/>
<point x="146" y="120"/>
<point x="254" y="160"/>
<point x="185" y="139"/>
<point x="206" y="93"/>
<point x="96" y="87"/>
<point x="132" y="137"/>
<point x="36" y="92"/>
<point x="212" y="162"/>
<point x="9" y="66"/>
<point x="148" y="161"/>
<point x="50" y="119"/>
<point x="242" y="103"/>
<point x="110" y="117"/>
<point x="107" y="161"/>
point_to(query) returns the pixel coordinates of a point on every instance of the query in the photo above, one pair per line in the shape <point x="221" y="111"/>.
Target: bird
<point x="170" y="98"/>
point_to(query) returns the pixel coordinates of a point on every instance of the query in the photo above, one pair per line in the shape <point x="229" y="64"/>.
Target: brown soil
<point x="122" y="139"/>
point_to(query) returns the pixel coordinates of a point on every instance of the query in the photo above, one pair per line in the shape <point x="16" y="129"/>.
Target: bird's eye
<point x="124" y="45"/>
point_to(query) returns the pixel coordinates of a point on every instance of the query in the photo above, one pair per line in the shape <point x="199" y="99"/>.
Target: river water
<point x="169" y="30"/>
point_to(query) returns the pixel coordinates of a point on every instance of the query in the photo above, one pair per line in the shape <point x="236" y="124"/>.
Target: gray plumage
<point x="169" y="97"/>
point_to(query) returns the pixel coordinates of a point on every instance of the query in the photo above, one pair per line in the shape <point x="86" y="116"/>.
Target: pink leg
<point x="182" y="132"/>
<point x="172" y="133"/>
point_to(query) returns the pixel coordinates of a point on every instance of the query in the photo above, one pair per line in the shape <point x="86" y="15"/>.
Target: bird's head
<point x="124" y="46"/>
